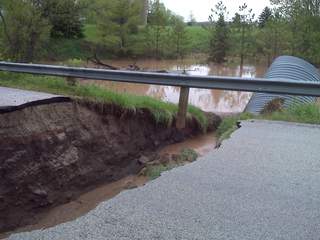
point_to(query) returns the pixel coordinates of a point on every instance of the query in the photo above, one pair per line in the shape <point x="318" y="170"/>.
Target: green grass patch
<point x="197" y="41"/>
<point x="305" y="113"/>
<point x="62" y="49"/>
<point x="185" y="156"/>
<point x="163" y="112"/>
<point x="154" y="172"/>
<point x="198" y="38"/>
<point x="229" y="125"/>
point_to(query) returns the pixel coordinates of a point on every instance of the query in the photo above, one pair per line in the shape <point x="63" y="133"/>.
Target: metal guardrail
<point x="275" y="85"/>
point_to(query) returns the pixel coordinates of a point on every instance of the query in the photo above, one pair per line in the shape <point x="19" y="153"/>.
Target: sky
<point x="201" y="8"/>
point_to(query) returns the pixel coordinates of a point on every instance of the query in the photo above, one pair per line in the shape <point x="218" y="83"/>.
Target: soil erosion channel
<point x="77" y="154"/>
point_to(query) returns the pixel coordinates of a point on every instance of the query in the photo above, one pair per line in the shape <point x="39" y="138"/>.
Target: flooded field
<point x="217" y="101"/>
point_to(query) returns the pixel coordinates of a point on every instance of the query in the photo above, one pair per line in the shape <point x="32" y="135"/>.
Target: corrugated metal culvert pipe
<point x="284" y="67"/>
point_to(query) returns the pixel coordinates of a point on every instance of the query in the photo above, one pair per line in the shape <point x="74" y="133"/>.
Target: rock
<point x="143" y="172"/>
<point x="143" y="160"/>
<point x="39" y="192"/>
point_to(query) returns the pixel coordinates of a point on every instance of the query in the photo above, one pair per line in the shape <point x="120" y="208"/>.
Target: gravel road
<point x="13" y="99"/>
<point x="263" y="183"/>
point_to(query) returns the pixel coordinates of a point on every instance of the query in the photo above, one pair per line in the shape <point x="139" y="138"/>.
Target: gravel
<point x="263" y="183"/>
<point x="13" y="99"/>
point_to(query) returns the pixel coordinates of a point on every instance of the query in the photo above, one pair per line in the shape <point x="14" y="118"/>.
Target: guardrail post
<point x="183" y="108"/>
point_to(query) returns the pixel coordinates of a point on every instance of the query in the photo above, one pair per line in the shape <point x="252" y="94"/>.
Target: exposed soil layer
<point x="51" y="154"/>
<point x="82" y="205"/>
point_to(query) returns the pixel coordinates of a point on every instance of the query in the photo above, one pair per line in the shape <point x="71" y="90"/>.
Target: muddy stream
<point x="90" y="200"/>
<point x="217" y="101"/>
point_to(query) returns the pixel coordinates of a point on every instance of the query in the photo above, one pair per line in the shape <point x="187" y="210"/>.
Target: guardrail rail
<point x="277" y="85"/>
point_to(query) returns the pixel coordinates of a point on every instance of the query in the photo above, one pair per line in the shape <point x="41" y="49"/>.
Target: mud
<point x="82" y="205"/>
<point x="202" y="145"/>
<point x="52" y="154"/>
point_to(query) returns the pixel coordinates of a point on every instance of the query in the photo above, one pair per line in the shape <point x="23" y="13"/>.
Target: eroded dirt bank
<point x="50" y="154"/>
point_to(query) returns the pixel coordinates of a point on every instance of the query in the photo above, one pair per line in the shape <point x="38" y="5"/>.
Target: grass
<point x="185" y="156"/>
<point x="62" y="49"/>
<point x="305" y="113"/>
<point x="163" y="112"/>
<point x="154" y="172"/>
<point x="229" y="125"/>
<point x="198" y="38"/>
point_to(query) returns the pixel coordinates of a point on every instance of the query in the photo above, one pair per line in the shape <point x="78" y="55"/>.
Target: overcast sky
<point x="201" y="8"/>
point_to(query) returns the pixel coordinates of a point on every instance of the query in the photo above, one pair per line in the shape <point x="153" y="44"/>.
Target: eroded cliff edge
<point x="50" y="154"/>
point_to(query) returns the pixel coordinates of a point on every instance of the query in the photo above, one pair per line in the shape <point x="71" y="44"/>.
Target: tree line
<point x="288" y="27"/>
<point x="29" y="27"/>
<point x="28" y="24"/>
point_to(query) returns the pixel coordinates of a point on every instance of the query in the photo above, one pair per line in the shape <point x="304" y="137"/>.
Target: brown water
<point x="202" y="144"/>
<point x="217" y="101"/>
<point x="84" y="204"/>
<point x="208" y="100"/>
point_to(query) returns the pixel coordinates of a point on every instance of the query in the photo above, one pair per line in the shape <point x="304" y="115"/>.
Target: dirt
<point x="82" y="205"/>
<point x="52" y="154"/>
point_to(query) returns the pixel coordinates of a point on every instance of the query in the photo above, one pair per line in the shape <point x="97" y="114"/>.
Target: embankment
<point x="50" y="154"/>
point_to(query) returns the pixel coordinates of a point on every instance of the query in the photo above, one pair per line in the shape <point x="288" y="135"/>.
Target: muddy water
<point x="217" y="101"/>
<point x="68" y="212"/>
<point x="208" y="100"/>
<point x="84" y="204"/>
<point x="202" y="145"/>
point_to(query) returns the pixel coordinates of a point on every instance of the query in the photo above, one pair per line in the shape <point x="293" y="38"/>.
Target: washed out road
<point x="263" y="183"/>
<point x="14" y="99"/>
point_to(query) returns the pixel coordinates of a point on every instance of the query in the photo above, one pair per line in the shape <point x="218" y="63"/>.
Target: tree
<point x="219" y="34"/>
<point x="264" y="17"/>
<point x="236" y="20"/>
<point x="192" y="20"/>
<point x="117" y="21"/>
<point x="273" y="38"/>
<point x="246" y="21"/>
<point x="179" y="35"/>
<point x="64" y="16"/>
<point x="158" y="19"/>
<point x="3" y="21"/>
<point x="303" y="17"/>
<point x="28" y="31"/>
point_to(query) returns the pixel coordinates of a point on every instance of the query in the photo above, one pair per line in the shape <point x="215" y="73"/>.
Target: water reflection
<point x="208" y="100"/>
